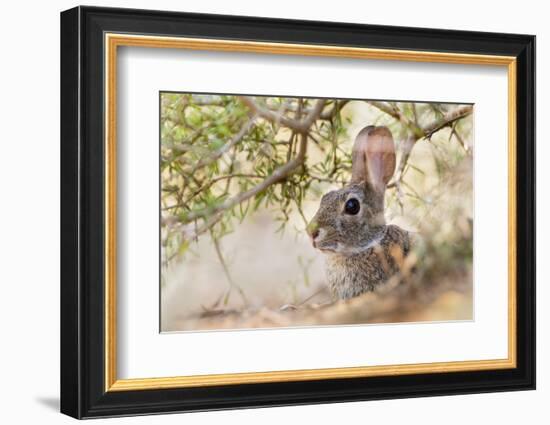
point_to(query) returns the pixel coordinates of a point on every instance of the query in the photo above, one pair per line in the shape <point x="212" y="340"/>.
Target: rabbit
<point x="363" y="252"/>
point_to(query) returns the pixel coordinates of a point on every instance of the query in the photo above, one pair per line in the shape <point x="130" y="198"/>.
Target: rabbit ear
<point x="373" y="157"/>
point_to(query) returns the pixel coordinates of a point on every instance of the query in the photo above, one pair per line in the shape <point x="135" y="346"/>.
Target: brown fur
<point x="363" y="252"/>
<point x="352" y="275"/>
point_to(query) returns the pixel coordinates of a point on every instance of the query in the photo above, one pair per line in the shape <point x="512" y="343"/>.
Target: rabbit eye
<point x="352" y="206"/>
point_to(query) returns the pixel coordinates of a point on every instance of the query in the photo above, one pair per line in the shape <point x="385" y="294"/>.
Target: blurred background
<point x="240" y="178"/>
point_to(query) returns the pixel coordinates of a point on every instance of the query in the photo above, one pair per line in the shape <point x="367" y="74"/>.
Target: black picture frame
<point x="83" y="392"/>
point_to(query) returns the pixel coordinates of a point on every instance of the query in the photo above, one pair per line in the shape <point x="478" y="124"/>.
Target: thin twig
<point x="454" y="132"/>
<point x="299" y="126"/>
<point x="231" y="282"/>
<point x="210" y="183"/>
<point x="447" y="119"/>
<point x="397" y="114"/>
<point x="417" y="132"/>
<point x="203" y="162"/>
<point x="278" y="174"/>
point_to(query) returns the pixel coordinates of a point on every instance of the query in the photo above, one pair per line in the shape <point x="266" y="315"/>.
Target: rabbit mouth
<point x="342" y="249"/>
<point x="328" y="250"/>
<point x="323" y="242"/>
<point x="325" y="248"/>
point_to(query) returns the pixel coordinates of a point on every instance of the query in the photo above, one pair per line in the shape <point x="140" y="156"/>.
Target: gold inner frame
<point x="113" y="41"/>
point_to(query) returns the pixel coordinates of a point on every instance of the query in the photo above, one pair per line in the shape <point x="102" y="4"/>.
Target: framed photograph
<point x="261" y="212"/>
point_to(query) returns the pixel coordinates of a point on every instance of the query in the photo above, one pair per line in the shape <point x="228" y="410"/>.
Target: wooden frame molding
<point x="114" y="40"/>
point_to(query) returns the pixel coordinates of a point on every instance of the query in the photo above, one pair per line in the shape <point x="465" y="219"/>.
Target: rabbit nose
<point x="313" y="229"/>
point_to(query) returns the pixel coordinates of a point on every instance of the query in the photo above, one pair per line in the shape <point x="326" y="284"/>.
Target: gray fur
<point x="355" y="274"/>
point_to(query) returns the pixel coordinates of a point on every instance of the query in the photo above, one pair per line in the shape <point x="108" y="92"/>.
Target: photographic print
<point x="283" y="211"/>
